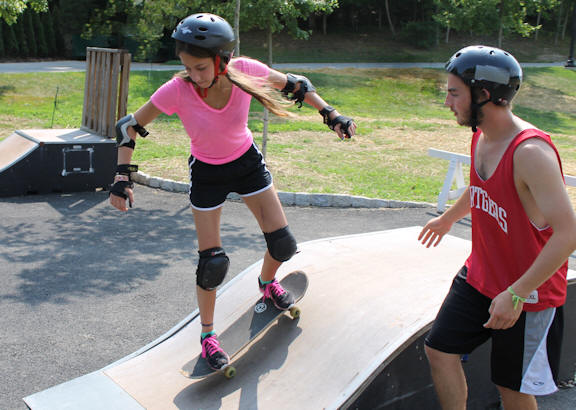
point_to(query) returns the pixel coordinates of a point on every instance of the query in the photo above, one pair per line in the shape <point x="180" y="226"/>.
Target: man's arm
<point x="537" y="167"/>
<point x="436" y="228"/>
<point x="539" y="182"/>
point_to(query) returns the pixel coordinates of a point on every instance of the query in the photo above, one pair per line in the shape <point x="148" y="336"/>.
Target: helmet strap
<point x="217" y="62"/>
<point x="203" y="92"/>
<point x="474" y="110"/>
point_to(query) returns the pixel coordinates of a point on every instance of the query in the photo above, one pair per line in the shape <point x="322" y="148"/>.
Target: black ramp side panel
<point x="406" y="384"/>
<point x="567" y="370"/>
<point x="55" y="160"/>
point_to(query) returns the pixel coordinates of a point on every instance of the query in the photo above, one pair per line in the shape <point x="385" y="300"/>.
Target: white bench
<point x="455" y="174"/>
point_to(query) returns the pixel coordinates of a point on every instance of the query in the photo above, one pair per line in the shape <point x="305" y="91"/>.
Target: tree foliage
<point x="501" y="17"/>
<point x="159" y="17"/>
<point x="10" y="10"/>
<point x="279" y="15"/>
<point x="10" y="41"/>
<point x="112" y="20"/>
<point x="147" y="24"/>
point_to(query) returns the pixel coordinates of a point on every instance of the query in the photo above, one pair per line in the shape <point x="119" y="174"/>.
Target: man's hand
<point x="434" y="231"/>
<point x="503" y="315"/>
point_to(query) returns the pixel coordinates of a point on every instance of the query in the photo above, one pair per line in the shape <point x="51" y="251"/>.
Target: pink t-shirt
<point x="217" y="136"/>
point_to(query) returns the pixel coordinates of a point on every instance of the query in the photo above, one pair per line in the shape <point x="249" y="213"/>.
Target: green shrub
<point x="420" y="34"/>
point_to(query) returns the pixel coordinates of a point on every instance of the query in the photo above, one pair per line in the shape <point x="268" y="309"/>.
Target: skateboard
<point x="248" y="326"/>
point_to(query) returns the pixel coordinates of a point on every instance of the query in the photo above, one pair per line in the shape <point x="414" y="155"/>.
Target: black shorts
<point x="524" y="358"/>
<point x="211" y="184"/>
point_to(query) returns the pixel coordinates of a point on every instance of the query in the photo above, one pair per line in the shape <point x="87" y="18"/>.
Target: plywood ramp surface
<point x="368" y="295"/>
<point x="13" y="148"/>
<point x="63" y="135"/>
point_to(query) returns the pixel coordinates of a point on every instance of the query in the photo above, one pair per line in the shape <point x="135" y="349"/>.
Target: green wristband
<point x="515" y="298"/>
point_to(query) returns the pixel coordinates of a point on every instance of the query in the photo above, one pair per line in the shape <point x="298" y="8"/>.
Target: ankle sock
<point x="264" y="283"/>
<point x="204" y="335"/>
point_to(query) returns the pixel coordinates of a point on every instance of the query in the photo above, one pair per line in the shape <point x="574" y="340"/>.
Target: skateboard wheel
<point x="229" y="372"/>
<point x="295" y="312"/>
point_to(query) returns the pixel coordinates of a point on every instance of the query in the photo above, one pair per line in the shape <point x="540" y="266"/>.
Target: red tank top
<point x="504" y="240"/>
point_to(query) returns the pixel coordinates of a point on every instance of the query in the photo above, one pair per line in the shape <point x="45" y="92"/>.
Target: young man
<point x="513" y="285"/>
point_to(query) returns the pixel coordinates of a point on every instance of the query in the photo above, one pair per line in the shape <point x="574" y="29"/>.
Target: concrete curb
<point x="292" y="198"/>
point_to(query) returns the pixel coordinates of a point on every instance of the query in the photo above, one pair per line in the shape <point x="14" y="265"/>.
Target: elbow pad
<point x="122" y="137"/>
<point x="305" y="87"/>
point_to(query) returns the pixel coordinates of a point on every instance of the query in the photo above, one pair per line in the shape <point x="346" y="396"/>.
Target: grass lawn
<point x="399" y="112"/>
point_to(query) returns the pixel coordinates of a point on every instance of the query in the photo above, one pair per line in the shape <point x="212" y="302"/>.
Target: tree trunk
<point x="501" y="25"/>
<point x="389" y="18"/>
<point x="269" y="62"/>
<point x="565" y="25"/>
<point x="379" y="18"/>
<point x="237" y="28"/>
<point x="264" y="132"/>
<point x="558" y="24"/>
<point x="447" y="38"/>
<point x="570" y="62"/>
<point x="265" y="118"/>
<point x="324" y="24"/>
<point x="537" y="24"/>
<point x="312" y="22"/>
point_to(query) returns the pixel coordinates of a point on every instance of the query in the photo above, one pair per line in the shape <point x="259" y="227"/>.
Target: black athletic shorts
<point x="211" y="184"/>
<point x="524" y="358"/>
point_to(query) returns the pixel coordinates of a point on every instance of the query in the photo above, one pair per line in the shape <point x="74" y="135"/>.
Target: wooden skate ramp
<point x="370" y="296"/>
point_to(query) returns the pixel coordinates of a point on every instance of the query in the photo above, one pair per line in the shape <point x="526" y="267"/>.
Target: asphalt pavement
<point x="85" y="285"/>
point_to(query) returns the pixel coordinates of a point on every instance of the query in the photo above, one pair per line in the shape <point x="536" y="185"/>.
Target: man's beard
<point x="467" y="119"/>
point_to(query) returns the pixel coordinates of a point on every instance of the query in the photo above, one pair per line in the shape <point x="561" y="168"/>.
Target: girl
<point x="212" y="99"/>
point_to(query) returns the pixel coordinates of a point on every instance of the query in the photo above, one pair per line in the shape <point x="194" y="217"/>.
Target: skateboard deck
<point x="248" y="326"/>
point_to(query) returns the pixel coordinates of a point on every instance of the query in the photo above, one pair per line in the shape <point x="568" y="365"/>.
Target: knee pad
<point x="281" y="244"/>
<point x="212" y="268"/>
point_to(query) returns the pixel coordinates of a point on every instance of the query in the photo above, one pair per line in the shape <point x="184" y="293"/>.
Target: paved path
<point x="73" y="65"/>
<point x="84" y="285"/>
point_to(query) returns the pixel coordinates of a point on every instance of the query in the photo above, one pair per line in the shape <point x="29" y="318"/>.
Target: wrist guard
<point x="122" y="137"/>
<point x="345" y="123"/>
<point x="126" y="169"/>
<point x="325" y="113"/>
<point x="119" y="189"/>
<point x="305" y="87"/>
<point x="122" y="180"/>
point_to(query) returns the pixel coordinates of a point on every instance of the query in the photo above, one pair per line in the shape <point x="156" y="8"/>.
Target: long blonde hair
<point x="258" y="88"/>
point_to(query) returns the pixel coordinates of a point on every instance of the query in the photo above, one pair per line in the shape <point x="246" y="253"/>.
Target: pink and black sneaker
<point x="213" y="353"/>
<point x="281" y="298"/>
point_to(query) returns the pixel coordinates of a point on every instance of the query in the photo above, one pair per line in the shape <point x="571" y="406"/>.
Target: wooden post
<point x="105" y="89"/>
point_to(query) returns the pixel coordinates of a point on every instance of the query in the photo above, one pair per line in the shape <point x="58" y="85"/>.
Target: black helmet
<point x="207" y="31"/>
<point x="489" y="68"/>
